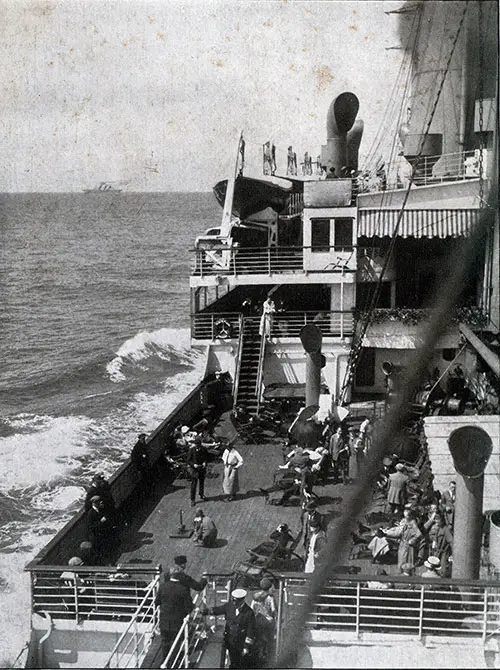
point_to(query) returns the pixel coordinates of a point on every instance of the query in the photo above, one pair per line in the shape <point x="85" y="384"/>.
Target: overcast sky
<point x="154" y="93"/>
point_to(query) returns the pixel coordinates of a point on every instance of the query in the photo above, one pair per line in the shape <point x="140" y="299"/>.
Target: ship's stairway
<point x="249" y="359"/>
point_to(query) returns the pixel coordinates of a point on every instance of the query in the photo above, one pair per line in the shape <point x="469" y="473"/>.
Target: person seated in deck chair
<point x="205" y="530"/>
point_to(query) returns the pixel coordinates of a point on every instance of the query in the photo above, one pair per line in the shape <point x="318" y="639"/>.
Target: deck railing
<point x="429" y="170"/>
<point x="411" y="606"/>
<point x="93" y="593"/>
<point x="267" y="261"/>
<point x="131" y="649"/>
<point x="210" y="326"/>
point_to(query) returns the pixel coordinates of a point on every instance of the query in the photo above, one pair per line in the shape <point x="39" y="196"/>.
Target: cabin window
<point x="343" y="234"/>
<point x="320" y="235"/>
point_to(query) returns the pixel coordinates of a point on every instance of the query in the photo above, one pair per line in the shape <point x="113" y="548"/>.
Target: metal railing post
<point x="75" y="588"/>
<point x="212" y="334"/>
<point x="269" y="261"/>
<point x="358" y="604"/>
<point x="485" y="614"/>
<point x="186" y="643"/>
<point x="421" y="613"/>
<point x="279" y="621"/>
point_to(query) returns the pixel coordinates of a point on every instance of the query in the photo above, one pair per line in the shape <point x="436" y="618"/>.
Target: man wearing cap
<point x="205" y="530"/>
<point x="139" y="455"/>
<point x="175" y="603"/>
<point x="240" y="630"/>
<point x="311" y="514"/>
<point x="98" y="524"/>
<point x="197" y="464"/>
<point x="396" y="494"/>
<point x="186" y="580"/>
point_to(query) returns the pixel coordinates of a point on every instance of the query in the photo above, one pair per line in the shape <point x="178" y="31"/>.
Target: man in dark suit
<point x="186" y="580"/>
<point x="175" y="603"/>
<point x="98" y="524"/>
<point x="139" y="455"/>
<point x="240" y="630"/>
<point x="197" y="462"/>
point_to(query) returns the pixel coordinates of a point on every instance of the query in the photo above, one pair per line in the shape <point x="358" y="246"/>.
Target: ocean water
<point x="94" y="348"/>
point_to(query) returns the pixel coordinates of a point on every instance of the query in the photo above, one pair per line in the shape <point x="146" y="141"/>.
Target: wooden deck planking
<point x="242" y="523"/>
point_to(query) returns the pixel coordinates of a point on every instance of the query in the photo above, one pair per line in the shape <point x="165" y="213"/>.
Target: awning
<point x="417" y="222"/>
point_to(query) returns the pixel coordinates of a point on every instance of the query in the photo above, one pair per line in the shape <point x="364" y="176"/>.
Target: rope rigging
<point x="362" y="325"/>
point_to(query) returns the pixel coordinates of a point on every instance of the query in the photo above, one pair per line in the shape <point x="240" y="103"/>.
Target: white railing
<point x="429" y="170"/>
<point x="284" y="324"/>
<point x="269" y="260"/>
<point x="411" y="606"/>
<point x="90" y="592"/>
<point x="132" y="647"/>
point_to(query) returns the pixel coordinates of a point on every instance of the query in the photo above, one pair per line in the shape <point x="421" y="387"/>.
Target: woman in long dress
<point x="232" y="463"/>
<point x="266" y="320"/>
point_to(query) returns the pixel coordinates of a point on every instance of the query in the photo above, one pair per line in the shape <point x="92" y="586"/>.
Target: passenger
<point x="264" y="607"/>
<point x="175" y="603"/>
<point x="396" y="494"/>
<point x="71" y="578"/>
<point x="100" y="487"/>
<point x="240" y="631"/>
<point x="87" y="553"/>
<point x="197" y="463"/>
<point x="98" y="525"/>
<point x="448" y="503"/>
<point x="409" y="536"/>
<point x="266" y="320"/>
<point x="432" y="564"/>
<point x="205" y="530"/>
<point x="232" y="463"/>
<point x="139" y="455"/>
<point x="441" y="541"/>
<point x="314" y="546"/>
<point x="186" y="580"/>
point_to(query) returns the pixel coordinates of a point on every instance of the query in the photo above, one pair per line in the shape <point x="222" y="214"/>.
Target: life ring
<point x="222" y="329"/>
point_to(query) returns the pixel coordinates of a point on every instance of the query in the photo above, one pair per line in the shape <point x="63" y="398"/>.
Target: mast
<point x="225" y="227"/>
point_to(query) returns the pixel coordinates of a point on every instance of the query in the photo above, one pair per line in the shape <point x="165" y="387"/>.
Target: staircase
<point x="249" y="365"/>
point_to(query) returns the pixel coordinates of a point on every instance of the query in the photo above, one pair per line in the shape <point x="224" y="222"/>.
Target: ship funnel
<point x="339" y="121"/>
<point x="353" y="141"/>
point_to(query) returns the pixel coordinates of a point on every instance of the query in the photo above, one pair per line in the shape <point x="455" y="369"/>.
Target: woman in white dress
<point x="232" y="463"/>
<point x="266" y="320"/>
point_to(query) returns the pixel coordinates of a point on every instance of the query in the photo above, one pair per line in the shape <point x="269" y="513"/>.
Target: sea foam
<point x="165" y="343"/>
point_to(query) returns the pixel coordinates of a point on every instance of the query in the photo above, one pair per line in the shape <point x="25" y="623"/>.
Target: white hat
<point x="184" y="430"/>
<point x="239" y="594"/>
<point x="432" y="562"/>
<point x="399" y="466"/>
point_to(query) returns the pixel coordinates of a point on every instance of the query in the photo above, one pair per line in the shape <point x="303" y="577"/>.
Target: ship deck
<point x="243" y="523"/>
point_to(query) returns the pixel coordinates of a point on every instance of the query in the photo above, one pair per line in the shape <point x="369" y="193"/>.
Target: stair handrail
<point x="260" y="370"/>
<point x="238" y="361"/>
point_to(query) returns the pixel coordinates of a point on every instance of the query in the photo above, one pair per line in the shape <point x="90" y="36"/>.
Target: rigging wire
<point x="361" y="327"/>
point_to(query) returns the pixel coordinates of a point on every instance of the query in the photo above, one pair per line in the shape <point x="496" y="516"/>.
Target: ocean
<point x="94" y="347"/>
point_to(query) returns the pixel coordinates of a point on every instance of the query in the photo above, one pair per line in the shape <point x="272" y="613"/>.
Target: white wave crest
<point x="46" y="454"/>
<point x="164" y="343"/>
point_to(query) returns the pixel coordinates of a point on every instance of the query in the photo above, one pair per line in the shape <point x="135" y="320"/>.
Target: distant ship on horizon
<point x="105" y="186"/>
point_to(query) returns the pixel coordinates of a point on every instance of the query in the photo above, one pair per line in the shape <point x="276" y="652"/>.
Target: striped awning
<point x="417" y="222"/>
